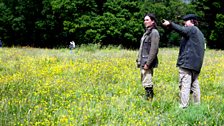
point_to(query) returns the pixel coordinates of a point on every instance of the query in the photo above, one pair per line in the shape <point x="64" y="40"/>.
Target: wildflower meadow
<point x="101" y="86"/>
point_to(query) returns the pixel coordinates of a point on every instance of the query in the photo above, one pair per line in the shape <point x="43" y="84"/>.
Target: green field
<point x="92" y="86"/>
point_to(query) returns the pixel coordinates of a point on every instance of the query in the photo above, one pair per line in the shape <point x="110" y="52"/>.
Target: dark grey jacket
<point x="149" y="49"/>
<point x="192" y="46"/>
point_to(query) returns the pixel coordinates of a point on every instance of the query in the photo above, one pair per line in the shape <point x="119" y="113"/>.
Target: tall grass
<point x="93" y="86"/>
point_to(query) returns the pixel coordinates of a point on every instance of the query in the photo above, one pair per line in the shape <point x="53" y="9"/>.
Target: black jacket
<point x="192" y="46"/>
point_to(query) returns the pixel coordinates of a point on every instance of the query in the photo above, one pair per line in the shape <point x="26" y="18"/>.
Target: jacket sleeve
<point x="139" y="55"/>
<point x="184" y="31"/>
<point x="154" y="47"/>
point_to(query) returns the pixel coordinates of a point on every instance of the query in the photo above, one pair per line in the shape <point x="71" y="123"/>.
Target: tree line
<point x="54" y="23"/>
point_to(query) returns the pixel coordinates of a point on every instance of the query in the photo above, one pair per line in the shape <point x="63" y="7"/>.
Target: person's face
<point x="148" y="22"/>
<point x="188" y="23"/>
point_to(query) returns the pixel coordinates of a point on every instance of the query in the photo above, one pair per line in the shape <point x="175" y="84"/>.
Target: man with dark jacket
<point x="190" y="59"/>
<point x="147" y="56"/>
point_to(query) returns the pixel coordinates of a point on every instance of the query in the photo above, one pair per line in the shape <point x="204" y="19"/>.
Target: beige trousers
<point x="188" y="83"/>
<point x="146" y="77"/>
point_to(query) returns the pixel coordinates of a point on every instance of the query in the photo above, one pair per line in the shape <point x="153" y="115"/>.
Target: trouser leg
<point x="195" y="88"/>
<point x="146" y="77"/>
<point x="184" y="85"/>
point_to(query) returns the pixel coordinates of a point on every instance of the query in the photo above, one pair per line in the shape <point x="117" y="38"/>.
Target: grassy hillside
<point x="91" y="86"/>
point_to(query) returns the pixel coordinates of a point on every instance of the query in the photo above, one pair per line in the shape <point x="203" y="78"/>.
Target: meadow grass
<point x="92" y="86"/>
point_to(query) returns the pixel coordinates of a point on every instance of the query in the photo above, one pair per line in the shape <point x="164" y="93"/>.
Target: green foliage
<point x="213" y="10"/>
<point x="5" y="17"/>
<point x="216" y="34"/>
<point x="197" y="115"/>
<point x="53" y="23"/>
<point x="116" y="25"/>
<point x="94" y="86"/>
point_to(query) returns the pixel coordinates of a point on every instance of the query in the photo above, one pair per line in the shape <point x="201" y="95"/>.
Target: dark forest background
<point x="54" y="23"/>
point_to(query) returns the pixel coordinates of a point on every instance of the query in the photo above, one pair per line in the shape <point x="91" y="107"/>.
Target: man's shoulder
<point x="195" y="29"/>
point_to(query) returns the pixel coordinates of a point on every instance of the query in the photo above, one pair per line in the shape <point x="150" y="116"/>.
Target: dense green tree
<point x="74" y="15"/>
<point x="116" y="25"/>
<point x="23" y="15"/>
<point x="5" y="20"/>
<point x="53" y="23"/>
<point x="212" y="20"/>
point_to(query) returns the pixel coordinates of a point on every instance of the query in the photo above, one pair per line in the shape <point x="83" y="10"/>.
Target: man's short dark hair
<point x="192" y="17"/>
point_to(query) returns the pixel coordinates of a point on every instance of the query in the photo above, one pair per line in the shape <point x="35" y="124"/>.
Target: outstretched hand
<point x="165" y="22"/>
